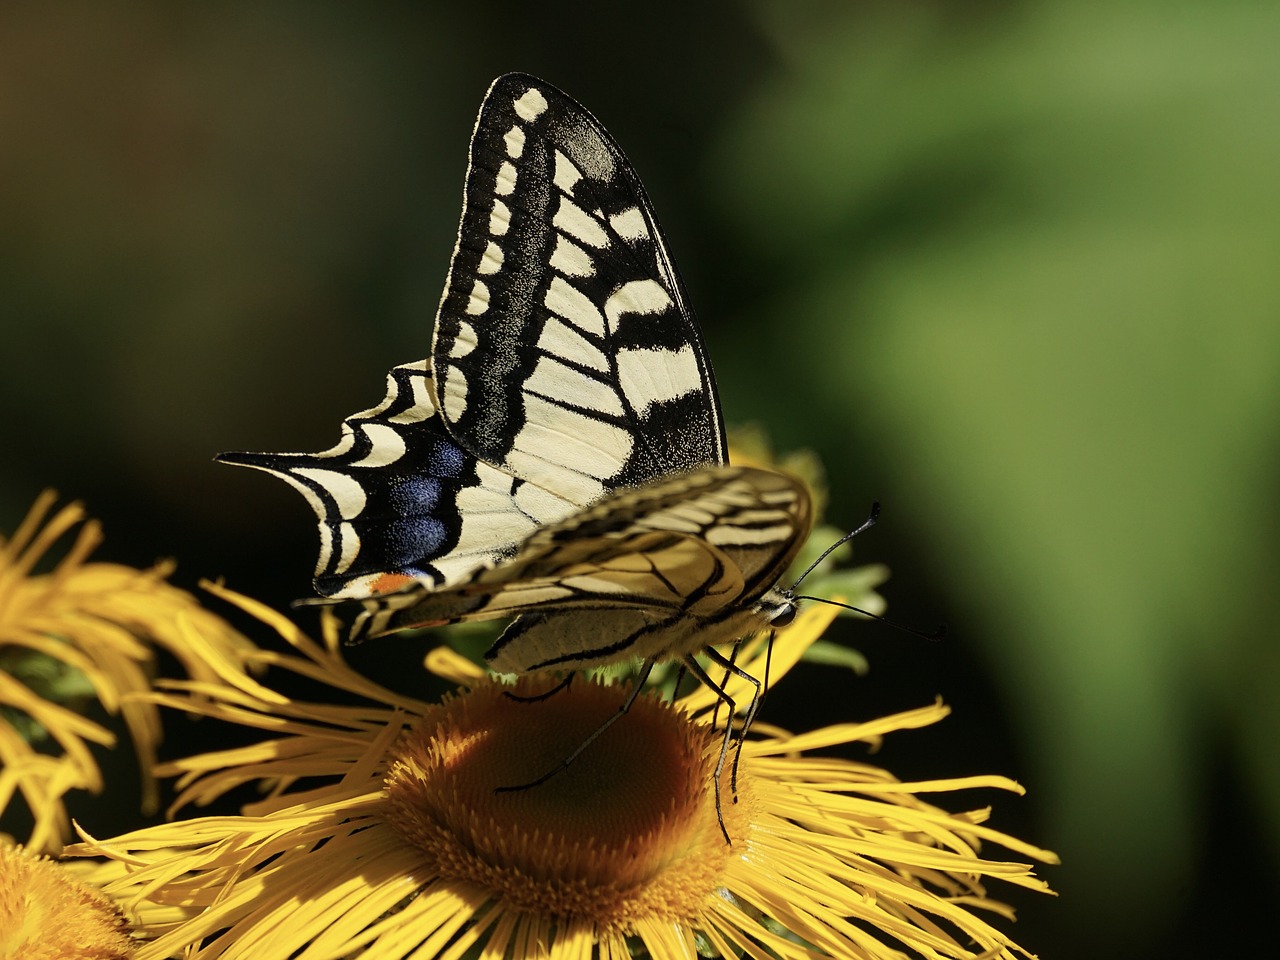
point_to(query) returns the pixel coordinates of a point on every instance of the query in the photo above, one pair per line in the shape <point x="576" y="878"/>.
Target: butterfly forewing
<point x="564" y="350"/>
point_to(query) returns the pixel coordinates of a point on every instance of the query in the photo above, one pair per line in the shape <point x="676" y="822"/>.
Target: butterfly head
<point x="777" y="608"/>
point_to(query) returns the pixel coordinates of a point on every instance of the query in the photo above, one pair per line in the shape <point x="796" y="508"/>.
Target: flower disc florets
<point x="628" y="829"/>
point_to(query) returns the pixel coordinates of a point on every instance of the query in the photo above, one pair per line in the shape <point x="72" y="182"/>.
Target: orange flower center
<point x="628" y="830"/>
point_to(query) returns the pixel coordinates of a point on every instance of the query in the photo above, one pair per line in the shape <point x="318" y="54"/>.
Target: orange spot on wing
<point x="390" y="582"/>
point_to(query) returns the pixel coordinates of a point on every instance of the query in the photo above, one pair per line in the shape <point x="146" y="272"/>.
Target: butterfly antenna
<point x="866" y="524"/>
<point x="937" y="635"/>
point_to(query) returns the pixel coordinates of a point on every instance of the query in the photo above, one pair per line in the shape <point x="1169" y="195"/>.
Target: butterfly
<point x="560" y="456"/>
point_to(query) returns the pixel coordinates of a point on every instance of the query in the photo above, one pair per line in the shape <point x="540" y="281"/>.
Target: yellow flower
<point x="79" y="633"/>
<point x="382" y="835"/>
<point x="47" y="914"/>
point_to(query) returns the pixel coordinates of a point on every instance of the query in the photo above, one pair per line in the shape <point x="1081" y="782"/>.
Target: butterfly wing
<point x="398" y="501"/>
<point x="565" y="364"/>
<point x="733" y="532"/>
<point x="653" y="571"/>
<point x="565" y="351"/>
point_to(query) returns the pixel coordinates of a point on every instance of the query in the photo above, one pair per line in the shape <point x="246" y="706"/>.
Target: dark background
<point x="1010" y="268"/>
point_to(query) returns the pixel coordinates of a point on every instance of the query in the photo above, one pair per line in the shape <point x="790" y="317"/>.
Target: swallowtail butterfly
<point x="559" y="457"/>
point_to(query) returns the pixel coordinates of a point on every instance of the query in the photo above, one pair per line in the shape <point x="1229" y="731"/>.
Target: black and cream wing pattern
<point x="565" y="352"/>
<point x="560" y="455"/>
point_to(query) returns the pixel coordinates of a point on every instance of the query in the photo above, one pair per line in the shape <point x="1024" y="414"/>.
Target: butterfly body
<point x="658" y="571"/>
<point x="559" y="457"/>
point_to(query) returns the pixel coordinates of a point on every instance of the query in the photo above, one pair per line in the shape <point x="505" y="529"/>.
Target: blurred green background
<point x="1011" y="268"/>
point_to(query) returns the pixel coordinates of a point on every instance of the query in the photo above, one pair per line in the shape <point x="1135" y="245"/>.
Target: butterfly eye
<point x="785" y="613"/>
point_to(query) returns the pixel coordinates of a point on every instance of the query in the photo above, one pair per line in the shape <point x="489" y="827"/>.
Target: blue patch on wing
<point x="411" y="540"/>
<point x="448" y="459"/>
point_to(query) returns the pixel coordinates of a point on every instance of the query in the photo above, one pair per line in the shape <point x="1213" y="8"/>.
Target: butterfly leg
<point x="695" y="668"/>
<point x="617" y="715"/>
<point x="534" y="698"/>
<point x="757" y="695"/>
<point x="715" y="711"/>
<point x="733" y="669"/>
<point x="756" y="701"/>
<point x="675" y="687"/>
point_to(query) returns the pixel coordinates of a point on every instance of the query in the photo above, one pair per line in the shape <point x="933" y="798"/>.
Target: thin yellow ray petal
<point x="499" y="943"/>
<point x="839" y="734"/>
<point x="448" y="663"/>
<point x="666" y="940"/>
<point x="790" y="645"/>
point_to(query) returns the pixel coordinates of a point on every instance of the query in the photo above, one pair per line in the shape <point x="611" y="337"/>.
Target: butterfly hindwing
<point x="389" y="496"/>
<point x="663" y="569"/>
<point x="564" y="351"/>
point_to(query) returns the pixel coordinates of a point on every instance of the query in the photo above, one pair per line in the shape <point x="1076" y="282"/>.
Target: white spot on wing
<point x="637" y="296"/>
<point x="388" y="446"/>
<point x="326" y="550"/>
<point x="424" y="404"/>
<point x="348" y="436"/>
<point x="464" y="341"/>
<point x="731" y="535"/>
<point x="491" y="259"/>
<point x="514" y="140"/>
<point x="454" y="400"/>
<point x="680" y="524"/>
<point x="479" y="301"/>
<point x="656" y="376"/>
<point x="344" y="491"/>
<point x="579" y="224"/>
<point x="532" y="105"/>
<point x="416" y="373"/>
<point x="566" y="175"/>
<point x="499" y="219"/>
<point x="571" y="259"/>
<point x="350" y="549"/>
<point x="506" y="179"/>
<point x="562" y="340"/>
<point x="574" y="441"/>
<point x="630" y="225"/>
<point x="566" y="300"/>
<point x="553" y="379"/>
